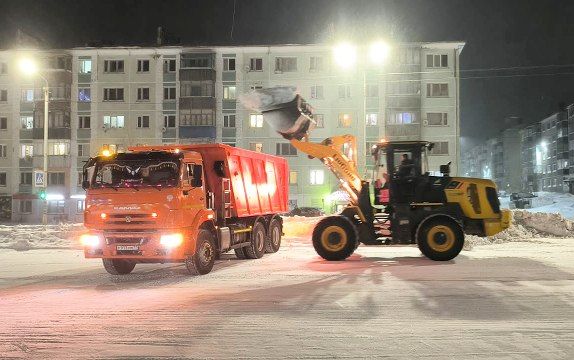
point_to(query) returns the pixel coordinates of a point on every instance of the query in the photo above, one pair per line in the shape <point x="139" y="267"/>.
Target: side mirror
<point x="85" y="184"/>
<point x="445" y="169"/>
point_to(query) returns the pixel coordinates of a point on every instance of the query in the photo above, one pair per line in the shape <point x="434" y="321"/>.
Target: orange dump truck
<point x="185" y="203"/>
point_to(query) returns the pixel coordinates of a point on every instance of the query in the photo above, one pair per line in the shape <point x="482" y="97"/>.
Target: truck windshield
<point x="136" y="170"/>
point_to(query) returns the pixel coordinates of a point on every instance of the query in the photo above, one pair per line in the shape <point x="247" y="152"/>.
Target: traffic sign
<point x="39" y="178"/>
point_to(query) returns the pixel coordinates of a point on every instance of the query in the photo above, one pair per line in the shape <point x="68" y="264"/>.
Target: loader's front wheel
<point x="440" y="239"/>
<point x="335" y="238"/>
<point x="118" y="266"/>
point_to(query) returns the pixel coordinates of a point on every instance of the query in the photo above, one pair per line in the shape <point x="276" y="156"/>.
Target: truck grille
<point x="141" y="240"/>
<point x="130" y="219"/>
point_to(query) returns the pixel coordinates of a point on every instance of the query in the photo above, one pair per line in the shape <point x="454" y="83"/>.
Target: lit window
<point x="27" y="95"/>
<point x="114" y="121"/>
<point x="317" y="177"/>
<point x="292" y="177"/>
<point x="403" y="118"/>
<point x="229" y="92"/>
<point x="372" y="119"/>
<point x="345" y="120"/>
<point x="256" y="121"/>
<point x="27" y="122"/>
<point x="84" y="94"/>
<point x="27" y="151"/>
<point x="58" y="149"/>
<point x="85" y="66"/>
<point x="256" y="147"/>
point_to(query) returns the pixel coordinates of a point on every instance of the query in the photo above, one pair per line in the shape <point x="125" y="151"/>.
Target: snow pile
<point x="548" y="202"/>
<point x="299" y="226"/>
<point x="26" y="237"/>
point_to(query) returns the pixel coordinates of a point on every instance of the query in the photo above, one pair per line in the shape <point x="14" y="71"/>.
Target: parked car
<point x="306" y="211"/>
<point x="521" y="200"/>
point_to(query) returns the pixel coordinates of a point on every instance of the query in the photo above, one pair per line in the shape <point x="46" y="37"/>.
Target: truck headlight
<point x="171" y="240"/>
<point x="90" y="240"/>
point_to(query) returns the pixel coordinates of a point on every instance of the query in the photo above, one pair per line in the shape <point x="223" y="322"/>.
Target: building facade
<point x="113" y="98"/>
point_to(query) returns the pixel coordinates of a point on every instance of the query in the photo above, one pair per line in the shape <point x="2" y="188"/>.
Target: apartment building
<point x="113" y="98"/>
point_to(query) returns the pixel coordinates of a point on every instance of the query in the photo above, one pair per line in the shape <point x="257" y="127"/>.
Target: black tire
<point x="202" y="261"/>
<point x="257" y="238"/>
<point x="118" y="266"/>
<point x="440" y="239"/>
<point x="273" y="242"/>
<point x="335" y="238"/>
<point x="240" y="253"/>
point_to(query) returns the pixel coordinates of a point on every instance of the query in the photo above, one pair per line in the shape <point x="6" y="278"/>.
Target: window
<point x="85" y="66"/>
<point x="319" y="120"/>
<point x="202" y="62"/>
<point x="114" y="121"/>
<point x="3" y="179"/>
<point x="80" y="205"/>
<point x="229" y="121"/>
<point x="344" y="91"/>
<point x="56" y="178"/>
<point x="26" y="178"/>
<point x="59" y="119"/>
<point x="3" y="123"/>
<point x="143" y="94"/>
<point x="85" y="94"/>
<point x="345" y="120"/>
<point x="169" y="93"/>
<point x="229" y="92"/>
<point x="143" y="66"/>
<point x="113" y="66"/>
<point x="437" y="61"/>
<point x="113" y="94"/>
<point x="256" y="147"/>
<point x="56" y="207"/>
<point x="410" y="55"/>
<point x="315" y="64"/>
<point x="83" y="122"/>
<point x="285" y="64"/>
<point x="3" y="95"/>
<point x="195" y="119"/>
<point x="285" y="149"/>
<point x="58" y="148"/>
<point x="169" y="65"/>
<point x="440" y="148"/>
<point x="83" y="150"/>
<point x="372" y="90"/>
<point x="317" y="92"/>
<point x="403" y="118"/>
<point x="256" y="64"/>
<point x="369" y="147"/>
<point x="317" y="177"/>
<point x="256" y="121"/>
<point x="3" y="68"/>
<point x="26" y="150"/>
<point x="229" y="64"/>
<point x="143" y="121"/>
<point x="27" y="122"/>
<point x="372" y="119"/>
<point x="25" y="206"/>
<point x="169" y="121"/>
<point x="437" y="119"/>
<point x="27" y="95"/>
<point x="3" y="151"/>
<point x="292" y="177"/>
<point x="437" y="90"/>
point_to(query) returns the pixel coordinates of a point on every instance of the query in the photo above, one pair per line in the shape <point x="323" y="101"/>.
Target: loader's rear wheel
<point x="118" y="266"/>
<point x="335" y="238"/>
<point x="202" y="261"/>
<point x="273" y="242"/>
<point x="257" y="247"/>
<point x="440" y="239"/>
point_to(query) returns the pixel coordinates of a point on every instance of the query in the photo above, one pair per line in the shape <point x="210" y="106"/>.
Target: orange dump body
<point x="237" y="184"/>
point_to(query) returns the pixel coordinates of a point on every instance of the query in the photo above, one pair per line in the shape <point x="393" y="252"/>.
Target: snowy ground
<point x="508" y="300"/>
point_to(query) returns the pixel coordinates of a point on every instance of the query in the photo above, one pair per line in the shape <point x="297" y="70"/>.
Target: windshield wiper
<point x="110" y="186"/>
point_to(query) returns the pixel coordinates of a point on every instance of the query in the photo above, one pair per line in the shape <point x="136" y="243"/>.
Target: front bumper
<point x="142" y="246"/>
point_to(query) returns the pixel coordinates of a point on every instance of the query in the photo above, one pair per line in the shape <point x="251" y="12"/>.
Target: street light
<point x="379" y="52"/>
<point x="29" y="68"/>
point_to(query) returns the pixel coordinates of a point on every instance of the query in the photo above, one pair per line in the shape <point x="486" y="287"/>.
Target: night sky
<point x="535" y="39"/>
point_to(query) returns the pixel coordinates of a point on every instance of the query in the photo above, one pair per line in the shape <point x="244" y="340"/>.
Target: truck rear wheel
<point x="202" y="261"/>
<point x="257" y="247"/>
<point x="273" y="242"/>
<point x="440" y="239"/>
<point x="240" y="253"/>
<point x="335" y="238"/>
<point x="118" y="266"/>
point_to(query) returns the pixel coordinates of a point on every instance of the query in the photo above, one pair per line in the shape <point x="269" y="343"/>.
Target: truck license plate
<point x="127" y="247"/>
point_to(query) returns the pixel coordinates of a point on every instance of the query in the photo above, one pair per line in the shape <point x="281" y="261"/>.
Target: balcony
<point x="405" y="131"/>
<point x="191" y="132"/>
<point x="38" y="133"/>
<point x="404" y="101"/>
<point x="206" y="102"/>
<point x="37" y="162"/>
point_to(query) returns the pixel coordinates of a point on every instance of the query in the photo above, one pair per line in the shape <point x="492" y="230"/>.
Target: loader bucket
<point x="283" y="109"/>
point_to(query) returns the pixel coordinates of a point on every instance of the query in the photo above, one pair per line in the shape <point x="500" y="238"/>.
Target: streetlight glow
<point x="378" y="52"/>
<point x="28" y="67"/>
<point x="345" y="55"/>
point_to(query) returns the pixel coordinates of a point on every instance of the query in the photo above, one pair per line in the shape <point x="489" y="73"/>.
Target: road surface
<point x="506" y="301"/>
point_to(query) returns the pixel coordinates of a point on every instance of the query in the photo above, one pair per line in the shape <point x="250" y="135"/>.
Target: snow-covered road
<point x="505" y="301"/>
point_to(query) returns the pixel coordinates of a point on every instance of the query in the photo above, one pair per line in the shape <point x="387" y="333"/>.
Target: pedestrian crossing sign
<point x="39" y="178"/>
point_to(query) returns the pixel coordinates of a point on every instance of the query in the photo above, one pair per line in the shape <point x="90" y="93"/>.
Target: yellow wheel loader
<point x="410" y="206"/>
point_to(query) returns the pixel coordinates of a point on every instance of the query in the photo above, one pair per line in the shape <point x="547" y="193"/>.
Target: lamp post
<point x="30" y="68"/>
<point x="345" y="56"/>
